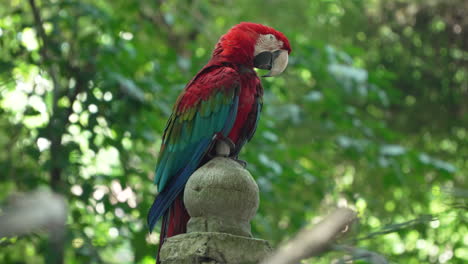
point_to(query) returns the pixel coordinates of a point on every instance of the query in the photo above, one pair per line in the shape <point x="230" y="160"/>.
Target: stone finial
<point x="221" y="197"/>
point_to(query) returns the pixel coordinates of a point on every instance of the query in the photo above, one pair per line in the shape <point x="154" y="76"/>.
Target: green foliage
<point x="371" y="113"/>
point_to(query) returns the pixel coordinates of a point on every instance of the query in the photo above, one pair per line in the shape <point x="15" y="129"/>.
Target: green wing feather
<point x="190" y="125"/>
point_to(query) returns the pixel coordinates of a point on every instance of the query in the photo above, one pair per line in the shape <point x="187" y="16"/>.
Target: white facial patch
<point x="267" y="42"/>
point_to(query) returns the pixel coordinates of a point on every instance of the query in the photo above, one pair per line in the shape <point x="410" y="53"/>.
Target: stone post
<point x="221" y="198"/>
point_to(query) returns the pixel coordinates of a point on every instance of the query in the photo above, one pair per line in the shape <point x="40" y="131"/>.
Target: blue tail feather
<point x="222" y="122"/>
<point x="165" y="198"/>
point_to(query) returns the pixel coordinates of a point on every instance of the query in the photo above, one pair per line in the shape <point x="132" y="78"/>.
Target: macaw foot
<point x="224" y="147"/>
<point x="243" y="163"/>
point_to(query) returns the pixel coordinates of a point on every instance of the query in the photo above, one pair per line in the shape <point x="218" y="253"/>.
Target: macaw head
<point x="254" y="45"/>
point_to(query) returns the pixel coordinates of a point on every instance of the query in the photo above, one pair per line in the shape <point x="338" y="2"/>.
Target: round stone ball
<point x="223" y="189"/>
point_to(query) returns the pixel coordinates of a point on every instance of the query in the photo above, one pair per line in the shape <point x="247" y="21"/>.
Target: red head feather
<point x="238" y="44"/>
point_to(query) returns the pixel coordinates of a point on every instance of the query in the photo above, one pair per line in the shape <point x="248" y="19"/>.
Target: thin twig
<point x="396" y="227"/>
<point x="359" y="254"/>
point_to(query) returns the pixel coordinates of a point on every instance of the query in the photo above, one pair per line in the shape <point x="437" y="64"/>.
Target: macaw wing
<point x="257" y="109"/>
<point x="207" y="107"/>
<point x="250" y="124"/>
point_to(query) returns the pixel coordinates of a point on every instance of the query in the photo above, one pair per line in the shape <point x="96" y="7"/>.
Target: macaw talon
<point x="243" y="163"/>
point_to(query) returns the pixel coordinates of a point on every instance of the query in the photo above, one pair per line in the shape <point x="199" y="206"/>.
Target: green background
<point x="371" y="113"/>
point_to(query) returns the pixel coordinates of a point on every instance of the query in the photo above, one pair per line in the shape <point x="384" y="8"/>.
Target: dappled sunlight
<point x="153" y="238"/>
<point x="370" y="114"/>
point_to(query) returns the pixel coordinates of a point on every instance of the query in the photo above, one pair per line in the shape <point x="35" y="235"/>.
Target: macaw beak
<point x="275" y="61"/>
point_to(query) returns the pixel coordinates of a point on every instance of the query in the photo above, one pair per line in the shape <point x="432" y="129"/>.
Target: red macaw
<point x="221" y="103"/>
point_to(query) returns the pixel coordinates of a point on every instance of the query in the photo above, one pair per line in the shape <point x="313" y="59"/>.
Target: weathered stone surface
<point x="221" y="197"/>
<point x="213" y="248"/>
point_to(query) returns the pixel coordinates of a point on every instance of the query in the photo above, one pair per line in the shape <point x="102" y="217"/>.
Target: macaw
<point x="222" y="103"/>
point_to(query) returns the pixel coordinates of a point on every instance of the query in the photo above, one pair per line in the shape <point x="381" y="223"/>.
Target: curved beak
<point x="275" y="61"/>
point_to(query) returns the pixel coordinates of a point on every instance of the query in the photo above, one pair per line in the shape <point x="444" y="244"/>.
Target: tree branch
<point x="44" y="49"/>
<point x="59" y="119"/>
<point x="54" y="123"/>
<point x="27" y="213"/>
<point x="313" y="241"/>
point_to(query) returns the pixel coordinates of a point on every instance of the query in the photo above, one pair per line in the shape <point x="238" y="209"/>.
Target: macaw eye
<point x="271" y="37"/>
